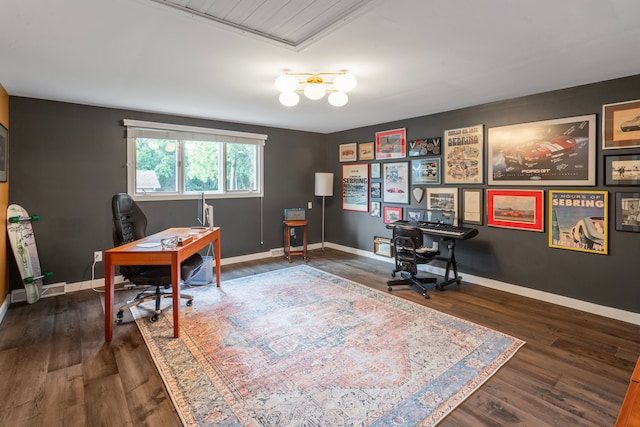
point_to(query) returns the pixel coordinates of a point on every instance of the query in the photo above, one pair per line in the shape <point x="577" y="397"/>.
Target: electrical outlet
<point x="309" y="205"/>
<point x="97" y="256"/>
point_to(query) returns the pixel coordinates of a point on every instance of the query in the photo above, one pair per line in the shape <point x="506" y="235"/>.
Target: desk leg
<point x="175" y="285"/>
<point x="304" y="243"/>
<point x="216" y="249"/>
<point x="108" y="298"/>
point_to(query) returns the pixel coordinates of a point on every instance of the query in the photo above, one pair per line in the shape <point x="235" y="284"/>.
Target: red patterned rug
<point x="302" y="347"/>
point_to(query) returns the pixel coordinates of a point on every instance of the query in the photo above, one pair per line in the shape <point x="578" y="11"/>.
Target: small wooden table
<point x="134" y="254"/>
<point x="288" y="225"/>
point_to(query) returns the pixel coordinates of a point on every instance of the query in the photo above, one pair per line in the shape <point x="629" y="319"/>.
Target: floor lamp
<point x="324" y="187"/>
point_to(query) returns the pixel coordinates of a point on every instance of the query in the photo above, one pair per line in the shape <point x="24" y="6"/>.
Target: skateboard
<point x="23" y="243"/>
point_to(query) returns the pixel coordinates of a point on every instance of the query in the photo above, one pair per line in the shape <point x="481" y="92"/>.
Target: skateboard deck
<point x="23" y="244"/>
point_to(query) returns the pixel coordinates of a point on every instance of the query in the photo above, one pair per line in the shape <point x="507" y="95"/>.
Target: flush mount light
<point x="315" y="86"/>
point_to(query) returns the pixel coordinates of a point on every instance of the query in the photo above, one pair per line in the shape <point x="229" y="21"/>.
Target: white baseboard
<point x="601" y="310"/>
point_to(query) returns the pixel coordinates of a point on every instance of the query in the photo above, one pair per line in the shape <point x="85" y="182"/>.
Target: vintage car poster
<point x="355" y="187"/>
<point x="442" y="199"/>
<point x="579" y="221"/>
<point x="550" y="152"/>
<point x="621" y="125"/>
<point x="425" y="171"/>
<point x="395" y="179"/>
<point x="463" y="150"/>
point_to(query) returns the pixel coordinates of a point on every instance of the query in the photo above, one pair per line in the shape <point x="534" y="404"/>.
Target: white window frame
<point x="138" y="129"/>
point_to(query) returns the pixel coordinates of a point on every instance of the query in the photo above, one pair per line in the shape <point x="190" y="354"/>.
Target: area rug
<point x="302" y="347"/>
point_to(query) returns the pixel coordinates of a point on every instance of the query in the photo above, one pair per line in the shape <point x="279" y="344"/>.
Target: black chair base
<point x="418" y="282"/>
<point x="147" y="296"/>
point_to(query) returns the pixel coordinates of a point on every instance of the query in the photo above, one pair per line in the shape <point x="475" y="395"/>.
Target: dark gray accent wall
<point x="518" y="257"/>
<point x="68" y="160"/>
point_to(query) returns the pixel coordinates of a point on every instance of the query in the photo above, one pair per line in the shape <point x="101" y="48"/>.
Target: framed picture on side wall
<point x="349" y="152"/>
<point x="518" y="209"/>
<point x="355" y="187"/>
<point x="622" y="170"/>
<point x="628" y="212"/>
<point x="391" y="144"/>
<point x="395" y="182"/>
<point x="463" y="153"/>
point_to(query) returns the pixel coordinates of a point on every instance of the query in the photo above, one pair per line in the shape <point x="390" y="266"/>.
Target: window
<point x="174" y="162"/>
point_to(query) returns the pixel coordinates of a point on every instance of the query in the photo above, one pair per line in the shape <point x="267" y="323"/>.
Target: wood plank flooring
<point x="58" y="371"/>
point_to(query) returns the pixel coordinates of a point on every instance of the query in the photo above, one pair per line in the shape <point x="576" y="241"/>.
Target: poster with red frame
<point x="519" y="209"/>
<point x="391" y="144"/>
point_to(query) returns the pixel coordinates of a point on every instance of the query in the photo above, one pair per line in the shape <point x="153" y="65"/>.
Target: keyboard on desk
<point x="438" y="229"/>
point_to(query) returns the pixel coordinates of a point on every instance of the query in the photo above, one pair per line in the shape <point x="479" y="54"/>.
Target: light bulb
<point x="315" y="91"/>
<point x="345" y="83"/>
<point x="289" y="99"/>
<point x="338" y="99"/>
<point x="286" y="83"/>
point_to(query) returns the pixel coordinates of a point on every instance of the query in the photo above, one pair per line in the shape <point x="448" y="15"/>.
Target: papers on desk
<point x="148" y="244"/>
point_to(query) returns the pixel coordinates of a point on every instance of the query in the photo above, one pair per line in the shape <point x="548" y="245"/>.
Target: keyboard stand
<point x="451" y="264"/>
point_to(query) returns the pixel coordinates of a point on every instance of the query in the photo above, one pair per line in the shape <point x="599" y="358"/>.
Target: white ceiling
<point x="411" y="57"/>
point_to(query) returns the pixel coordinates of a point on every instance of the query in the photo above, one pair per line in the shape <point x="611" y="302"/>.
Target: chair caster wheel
<point x="119" y="317"/>
<point x="154" y="317"/>
<point x="425" y="295"/>
<point x="189" y="303"/>
<point x="389" y="288"/>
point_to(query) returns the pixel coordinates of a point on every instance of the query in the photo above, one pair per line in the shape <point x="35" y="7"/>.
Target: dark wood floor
<point x="57" y="369"/>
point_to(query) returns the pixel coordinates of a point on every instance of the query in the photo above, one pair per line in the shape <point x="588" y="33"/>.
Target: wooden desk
<point x="288" y="225"/>
<point x="629" y="415"/>
<point x="132" y="254"/>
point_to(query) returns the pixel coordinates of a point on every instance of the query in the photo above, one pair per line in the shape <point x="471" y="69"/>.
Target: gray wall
<point x="513" y="256"/>
<point x="68" y="160"/>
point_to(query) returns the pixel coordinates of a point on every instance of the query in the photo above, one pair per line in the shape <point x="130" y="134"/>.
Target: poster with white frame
<point x="443" y="199"/>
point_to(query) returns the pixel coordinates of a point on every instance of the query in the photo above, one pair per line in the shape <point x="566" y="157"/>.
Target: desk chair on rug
<point x="129" y="224"/>
<point x="409" y="252"/>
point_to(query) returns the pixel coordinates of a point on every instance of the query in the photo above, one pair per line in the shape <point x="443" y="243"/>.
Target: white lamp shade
<point x="289" y="99"/>
<point x="287" y="83"/>
<point x="324" y="184"/>
<point x="345" y="83"/>
<point x="338" y="99"/>
<point x="315" y="91"/>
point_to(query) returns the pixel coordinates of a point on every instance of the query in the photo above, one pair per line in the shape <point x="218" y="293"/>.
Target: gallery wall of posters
<point x="355" y="187"/>
<point x="579" y="221"/>
<point x="550" y="152"/>
<point x="463" y="155"/>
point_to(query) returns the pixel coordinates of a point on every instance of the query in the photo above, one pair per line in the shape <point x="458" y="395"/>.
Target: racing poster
<point x="579" y="221"/>
<point x="355" y="187"/>
<point x="550" y="152"/>
<point x="463" y="150"/>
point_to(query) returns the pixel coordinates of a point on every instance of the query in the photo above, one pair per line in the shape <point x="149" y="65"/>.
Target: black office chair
<point x="409" y="252"/>
<point x="129" y="224"/>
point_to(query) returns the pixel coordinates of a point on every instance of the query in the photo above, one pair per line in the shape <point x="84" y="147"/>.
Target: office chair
<point x="129" y="224"/>
<point x="409" y="252"/>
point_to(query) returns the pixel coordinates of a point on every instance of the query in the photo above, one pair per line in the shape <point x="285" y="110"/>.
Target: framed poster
<point x="628" y="212"/>
<point x="622" y="170"/>
<point x="425" y="147"/>
<point x="579" y="220"/>
<point x="355" y="187"/>
<point x="365" y="151"/>
<point x="349" y="152"/>
<point x="4" y="148"/>
<point x="443" y="199"/>
<point x="463" y="151"/>
<point x="391" y="144"/>
<point x="392" y="214"/>
<point x="621" y="125"/>
<point x="415" y="214"/>
<point x="472" y="205"/>
<point x="376" y="190"/>
<point x="519" y="209"/>
<point x="550" y="152"/>
<point x="425" y="171"/>
<point x="375" y="171"/>
<point x="382" y="246"/>
<point x="375" y="209"/>
<point x="395" y="179"/>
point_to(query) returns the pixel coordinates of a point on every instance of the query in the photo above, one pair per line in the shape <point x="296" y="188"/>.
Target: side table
<point x="288" y="225"/>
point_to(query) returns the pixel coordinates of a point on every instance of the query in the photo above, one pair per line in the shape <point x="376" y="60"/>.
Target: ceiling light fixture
<point x="315" y="86"/>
